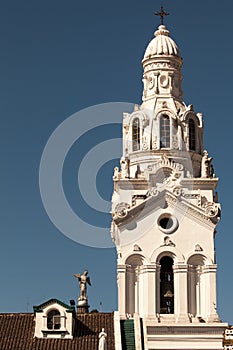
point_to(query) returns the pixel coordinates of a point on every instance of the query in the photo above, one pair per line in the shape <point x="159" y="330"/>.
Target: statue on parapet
<point x="83" y="280"/>
<point x="207" y="169"/>
<point x="124" y="167"/>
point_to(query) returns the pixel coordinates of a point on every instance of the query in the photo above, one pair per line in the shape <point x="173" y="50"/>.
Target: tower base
<point x="82" y="309"/>
<point x="183" y="336"/>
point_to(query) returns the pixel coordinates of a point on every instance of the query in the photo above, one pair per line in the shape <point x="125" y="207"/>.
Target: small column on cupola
<point x="82" y="302"/>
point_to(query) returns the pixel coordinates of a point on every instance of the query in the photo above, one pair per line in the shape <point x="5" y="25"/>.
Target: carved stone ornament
<point x="175" y="144"/>
<point x="153" y="192"/>
<point x="211" y="209"/>
<point x="155" y="143"/>
<point x="136" y="248"/>
<point x="177" y="191"/>
<point x="151" y="82"/>
<point x="164" y="80"/>
<point x="145" y="145"/>
<point x="165" y="162"/>
<point x="121" y="210"/>
<point x="168" y="242"/>
<point x="198" y="248"/>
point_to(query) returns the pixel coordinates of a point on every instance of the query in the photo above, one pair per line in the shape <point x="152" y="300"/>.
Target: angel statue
<point x="83" y="280"/>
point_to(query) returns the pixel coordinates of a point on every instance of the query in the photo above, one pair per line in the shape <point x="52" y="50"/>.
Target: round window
<point x="167" y="223"/>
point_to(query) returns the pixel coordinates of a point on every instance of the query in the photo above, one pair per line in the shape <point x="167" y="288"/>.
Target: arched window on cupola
<point x="53" y="320"/>
<point x="192" y="135"/>
<point x="136" y="134"/>
<point x="166" y="286"/>
<point x="165" y="137"/>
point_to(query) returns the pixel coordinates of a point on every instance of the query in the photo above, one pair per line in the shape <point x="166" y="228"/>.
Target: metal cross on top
<point x="162" y="14"/>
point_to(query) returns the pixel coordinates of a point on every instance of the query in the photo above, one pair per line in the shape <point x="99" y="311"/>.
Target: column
<point x="121" y="279"/>
<point x="192" y="290"/>
<point x="198" y="284"/>
<point x="180" y="292"/>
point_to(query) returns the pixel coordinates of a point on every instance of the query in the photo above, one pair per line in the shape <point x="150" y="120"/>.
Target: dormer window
<point x="136" y="134"/>
<point x="54" y="320"/>
<point x="192" y="135"/>
<point x="165" y="136"/>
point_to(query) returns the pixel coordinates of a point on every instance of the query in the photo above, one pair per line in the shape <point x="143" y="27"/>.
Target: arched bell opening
<point x="166" y="285"/>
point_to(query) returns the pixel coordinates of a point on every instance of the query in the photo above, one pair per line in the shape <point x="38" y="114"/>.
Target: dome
<point x="162" y="44"/>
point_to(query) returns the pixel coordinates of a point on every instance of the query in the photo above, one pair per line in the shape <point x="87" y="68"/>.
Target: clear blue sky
<point x="57" y="58"/>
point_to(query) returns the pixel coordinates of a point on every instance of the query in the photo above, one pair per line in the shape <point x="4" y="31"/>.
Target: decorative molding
<point x="164" y="330"/>
<point x="165" y="162"/>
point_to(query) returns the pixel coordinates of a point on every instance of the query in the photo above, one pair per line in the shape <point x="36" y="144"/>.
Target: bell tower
<point x="164" y="212"/>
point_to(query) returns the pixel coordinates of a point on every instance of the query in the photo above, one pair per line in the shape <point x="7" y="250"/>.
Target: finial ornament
<point x="162" y="14"/>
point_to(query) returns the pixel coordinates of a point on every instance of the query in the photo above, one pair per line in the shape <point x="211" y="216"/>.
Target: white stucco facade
<point x="165" y="209"/>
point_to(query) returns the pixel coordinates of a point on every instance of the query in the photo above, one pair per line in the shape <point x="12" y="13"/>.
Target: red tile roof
<point x="17" y="333"/>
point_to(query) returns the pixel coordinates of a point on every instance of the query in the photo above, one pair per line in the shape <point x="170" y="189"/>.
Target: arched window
<point x="166" y="286"/>
<point x="54" y="320"/>
<point x="136" y="134"/>
<point x="164" y="131"/>
<point x="192" y="135"/>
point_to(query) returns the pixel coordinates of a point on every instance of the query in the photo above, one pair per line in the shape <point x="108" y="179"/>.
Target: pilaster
<point x="149" y="290"/>
<point x="180" y="292"/>
<point x="209" y="282"/>
<point x="121" y="279"/>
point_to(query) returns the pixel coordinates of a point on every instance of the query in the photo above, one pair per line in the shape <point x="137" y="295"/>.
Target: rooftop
<point x="17" y="333"/>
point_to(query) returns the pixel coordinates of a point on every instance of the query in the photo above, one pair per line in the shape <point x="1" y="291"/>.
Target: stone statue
<point x="102" y="340"/>
<point x="116" y="173"/>
<point x="206" y="166"/>
<point x="83" y="280"/>
<point x="168" y="242"/>
<point x="138" y="172"/>
<point x="124" y="168"/>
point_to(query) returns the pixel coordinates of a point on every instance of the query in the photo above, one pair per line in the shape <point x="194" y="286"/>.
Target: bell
<point x="168" y="294"/>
